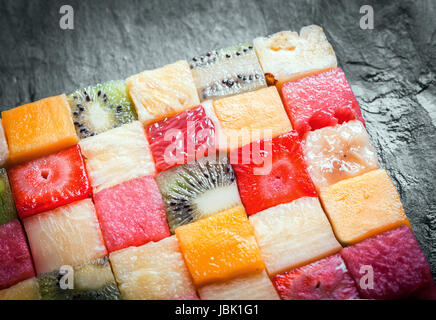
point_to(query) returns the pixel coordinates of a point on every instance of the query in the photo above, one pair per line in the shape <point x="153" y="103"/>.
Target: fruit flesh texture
<point x="117" y="155"/>
<point x="163" y="92"/>
<point x="15" y="259"/>
<point x="220" y="247"/>
<point x="398" y="264"/>
<point x="101" y="107"/>
<point x="131" y="214"/>
<point x="153" y="271"/>
<point x="8" y="211"/>
<point x="251" y="116"/>
<point x="286" y="55"/>
<point x="319" y="101"/>
<point x="182" y="138"/>
<point x="363" y="206"/>
<point x="226" y="72"/>
<point x="4" y="149"/>
<point x="91" y="281"/>
<point x="46" y="183"/>
<point x="336" y="153"/>
<point x="326" y="279"/>
<point x="24" y="290"/>
<point x="280" y="176"/>
<point x="39" y="128"/>
<point x="198" y="189"/>
<point x="68" y="235"/>
<point x="293" y="234"/>
<point x="254" y="286"/>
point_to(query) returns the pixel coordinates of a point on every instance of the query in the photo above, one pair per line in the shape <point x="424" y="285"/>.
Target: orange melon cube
<point x="220" y="247"/>
<point x="363" y="206"/>
<point x="39" y="128"/>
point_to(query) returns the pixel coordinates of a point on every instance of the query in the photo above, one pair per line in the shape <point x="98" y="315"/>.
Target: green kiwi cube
<point x="8" y="212"/>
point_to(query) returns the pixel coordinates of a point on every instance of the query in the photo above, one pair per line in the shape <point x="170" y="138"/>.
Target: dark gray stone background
<point x="391" y="68"/>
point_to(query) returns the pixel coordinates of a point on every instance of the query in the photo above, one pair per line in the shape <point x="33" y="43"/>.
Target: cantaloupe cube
<point x="4" y="149"/>
<point x="68" y="235"/>
<point x="220" y="247"/>
<point x="24" y="290"/>
<point x="39" y="128"/>
<point x="153" y="271"/>
<point x="293" y="234"/>
<point x="363" y="206"/>
<point x="253" y="286"/>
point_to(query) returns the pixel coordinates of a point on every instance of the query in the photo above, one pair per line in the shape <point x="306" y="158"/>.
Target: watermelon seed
<point x="44" y="174"/>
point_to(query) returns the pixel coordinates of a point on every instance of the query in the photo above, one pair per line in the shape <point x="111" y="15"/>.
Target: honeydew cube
<point x="4" y="149"/>
<point x="24" y="290"/>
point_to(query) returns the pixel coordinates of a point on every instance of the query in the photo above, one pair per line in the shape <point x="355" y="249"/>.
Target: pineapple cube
<point x="24" y="290"/>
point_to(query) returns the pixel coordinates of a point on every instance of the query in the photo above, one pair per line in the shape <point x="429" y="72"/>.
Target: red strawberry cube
<point x="49" y="182"/>
<point x="182" y="138"/>
<point x="326" y="279"/>
<point x="321" y="100"/>
<point x="271" y="172"/>
<point x="131" y="213"/>
<point x="15" y="260"/>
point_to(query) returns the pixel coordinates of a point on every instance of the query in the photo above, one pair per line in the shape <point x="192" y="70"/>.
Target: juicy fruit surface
<point x="131" y="214"/>
<point x="293" y="234"/>
<point x="362" y="206"/>
<point x="39" y="128"/>
<point x="398" y="264"/>
<point x="336" y="153"/>
<point x="220" y="247"/>
<point x="49" y="182"/>
<point x="251" y="116"/>
<point x="102" y="107"/>
<point x="24" y="290"/>
<point x="198" y="189"/>
<point x="182" y="138"/>
<point x="117" y="155"/>
<point x="7" y="205"/>
<point x="163" y="92"/>
<point x="326" y="279"/>
<point x="320" y="100"/>
<point x="15" y="259"/>
<point x="271" y="172"/>
<point x="68" y="235"/>
<point x="227" y="72"/>
<point x="4" y="149"/>
<point x="153" y="271"/>
<point x="286" y="56"/>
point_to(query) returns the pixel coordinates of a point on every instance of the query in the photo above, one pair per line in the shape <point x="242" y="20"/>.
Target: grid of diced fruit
<point x="246" y="173"/>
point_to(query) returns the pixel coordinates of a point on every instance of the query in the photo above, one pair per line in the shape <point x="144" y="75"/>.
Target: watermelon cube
<point x="8" y="211"/>
<point x="182" y="138"/>
<point x="24" y="290"/>
<point x="131" y="214"/>
<point x="15" y="259"/>
<point x="49" y="182"/>
<point x="270" y="172"/>
<point x="390" y="265"/>
<point x="326" y="279"/>
<point x="320" y="100"/>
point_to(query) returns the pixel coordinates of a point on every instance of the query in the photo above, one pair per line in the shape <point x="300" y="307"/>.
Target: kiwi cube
<point x="8" y="212"/>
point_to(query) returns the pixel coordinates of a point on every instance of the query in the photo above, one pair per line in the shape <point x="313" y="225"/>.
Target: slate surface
<point x="391" y="68"/>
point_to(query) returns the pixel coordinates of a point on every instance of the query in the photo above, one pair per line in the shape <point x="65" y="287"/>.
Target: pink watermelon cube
<point x="321" y="100"/>
<point x="15" y="260"/>
<point x="131" y="213"/>
<point x="390" y="265"/>
<point x="326" y="279"/>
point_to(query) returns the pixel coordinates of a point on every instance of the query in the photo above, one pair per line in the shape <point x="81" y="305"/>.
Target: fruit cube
<point x="4" y="149"/>
<point x="68" y="235"/>
<point x="155" y="270"/>
<point x="220" y="247"/>
<point x="251" y="116"/>
<point x="117" y="155"/>
<point x="293" y="234"/>
<point x="182" y="138"/>
<point x="326" y="279"/>
<point x="15" y="259"/>
<point x="319" y="101"/>
<point x="24" y="290"/>
<point x="336" y="153"/>
<point x="390" y="265"/>
<point x="7" y="205"/>
<point x="39" y="128"/>
<point x="163" y="92"/>
<point x="254" y="286"/>
<point x="270" y="172"/>
<point x="49" y="182"/>
<point x="131" y="214"/>
<point x="286" y="56"/>
<point x="362" y="206"/>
